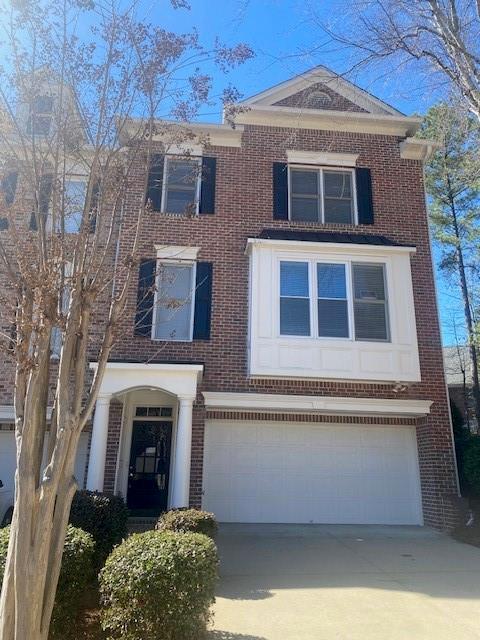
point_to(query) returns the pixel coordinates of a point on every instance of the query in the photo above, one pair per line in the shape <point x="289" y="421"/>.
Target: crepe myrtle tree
<point x="72" y="74"/>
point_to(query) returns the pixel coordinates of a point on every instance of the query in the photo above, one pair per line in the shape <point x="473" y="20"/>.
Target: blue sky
<point x="286" y="42"/>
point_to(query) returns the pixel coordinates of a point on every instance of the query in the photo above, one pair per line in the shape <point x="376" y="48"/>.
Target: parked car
<point x="6" y="504"/>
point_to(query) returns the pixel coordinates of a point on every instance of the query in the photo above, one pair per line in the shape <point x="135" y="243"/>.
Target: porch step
<point x="139" y="524"/>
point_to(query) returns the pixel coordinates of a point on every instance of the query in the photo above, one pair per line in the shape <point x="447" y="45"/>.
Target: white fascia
<point x="299" y="246"/>
<point x="327" y="120"/>
<point x="327" y="405"/>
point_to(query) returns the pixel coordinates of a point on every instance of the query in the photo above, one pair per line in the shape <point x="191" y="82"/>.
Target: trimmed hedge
<point x="185" y="520"/>
<point x="75" y="575"/>
<point x="105" y="517"/>
<point x="159" y="585"/>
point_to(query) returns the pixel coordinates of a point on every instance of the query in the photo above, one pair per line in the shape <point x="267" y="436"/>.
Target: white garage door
<point x="8" y="462"/>
<point x="311" y="473"/>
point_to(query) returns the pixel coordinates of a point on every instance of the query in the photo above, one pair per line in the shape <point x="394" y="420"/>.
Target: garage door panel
<point x="290" y="472"/>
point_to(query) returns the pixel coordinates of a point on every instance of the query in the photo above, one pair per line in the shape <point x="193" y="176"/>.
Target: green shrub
<point x="159" y="585"/>
<point x="104" y="516"/>
<point x="471" y="463"/>
<point x="185" y="520"/>
<point x="75" y="574"/>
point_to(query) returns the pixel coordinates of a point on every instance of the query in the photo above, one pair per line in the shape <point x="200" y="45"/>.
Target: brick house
<point x="300" y="379"/>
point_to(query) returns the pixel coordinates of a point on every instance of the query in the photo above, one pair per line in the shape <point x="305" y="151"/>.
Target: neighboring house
<point x="458" y="371"/>
<point x="301" y="377"/>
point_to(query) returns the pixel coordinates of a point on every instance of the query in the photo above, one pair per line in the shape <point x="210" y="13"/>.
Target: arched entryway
<point x="153" y="449"/>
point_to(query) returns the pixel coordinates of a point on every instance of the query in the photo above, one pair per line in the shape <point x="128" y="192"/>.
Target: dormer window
<point x="40" y="119"/>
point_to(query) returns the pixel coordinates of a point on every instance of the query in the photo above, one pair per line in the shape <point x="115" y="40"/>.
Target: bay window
<point x="350" y="300"/>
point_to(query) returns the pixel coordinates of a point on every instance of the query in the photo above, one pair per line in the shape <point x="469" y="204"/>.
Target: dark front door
<point x="149" y="469"/>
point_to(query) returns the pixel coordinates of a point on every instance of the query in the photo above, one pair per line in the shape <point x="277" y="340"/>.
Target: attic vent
<point x="318" y="100"/>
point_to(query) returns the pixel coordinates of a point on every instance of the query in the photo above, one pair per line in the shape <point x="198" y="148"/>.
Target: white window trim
<point x="322" y="158"/>
<point x="311" y="318"/>
<point x="313" y="290"/>
<point x="320" y="169"/>
<point x="68" y="178"/>
<point x="168" y="158"/>
<point x="386" y="302"/>
<point x="178" y="262"/>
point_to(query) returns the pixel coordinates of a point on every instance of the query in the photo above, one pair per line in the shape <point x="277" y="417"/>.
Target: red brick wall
<point x="243" y="208"/>
<point x="113" y="443"/>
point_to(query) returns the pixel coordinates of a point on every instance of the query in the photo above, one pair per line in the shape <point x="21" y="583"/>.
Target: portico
<point x="170" y="390"/>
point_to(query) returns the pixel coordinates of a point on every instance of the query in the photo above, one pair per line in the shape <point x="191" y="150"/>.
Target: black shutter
<point x="203" y="301"/>
<point x="9" y="186"/>
<point x="44" y="196"/>
<point x="145" y="298"/>
<point x="95" y="202"/>
<point x="280" y="191"/>
<point x="207" y="190"/>
<point x="155" y="181"/>
<point x="364" y="196"/>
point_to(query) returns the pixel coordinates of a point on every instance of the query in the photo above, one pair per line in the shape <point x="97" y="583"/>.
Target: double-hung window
<point x="75" y="193"/>
<point x="174" y="304"/>
<point x="41" y="113"/>
<point x="350" y="300"/>
<point x="322" y="195"/>
<point x="181" y="185"/>
<point x="294" y="299"/>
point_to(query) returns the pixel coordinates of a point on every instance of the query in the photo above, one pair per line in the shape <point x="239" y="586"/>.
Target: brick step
<point x="141" y="524"/>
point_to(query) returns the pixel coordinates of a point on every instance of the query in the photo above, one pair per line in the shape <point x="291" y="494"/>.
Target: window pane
<point x="305" y="209"/>
<point x="337" y="184"/>
<point x="181" y="187"/>
<point x="370" y="321"/>
<point x="331" y="281"/>
<point x="368" y="282"/>
<point x="295" y="316"/>
<point x="338" y="211"/>
<point x="183" y="173"/>
<point x="294" y="279"/>
<point x="75" y="194"/>
<point x="304" y="182"/>
<point x="180" y="202"/>
<point x="332" y="318"/>
<point x="174" y="302"/>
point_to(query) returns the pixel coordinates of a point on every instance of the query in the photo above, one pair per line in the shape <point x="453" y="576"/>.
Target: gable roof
<point x="321" y="75"/>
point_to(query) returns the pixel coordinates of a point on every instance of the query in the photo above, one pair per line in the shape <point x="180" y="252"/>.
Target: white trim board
<point x="326" y="120"/>
<point x="332" y="80"/>
<point x="328" y="405"/>
<point x="348" y="248"/>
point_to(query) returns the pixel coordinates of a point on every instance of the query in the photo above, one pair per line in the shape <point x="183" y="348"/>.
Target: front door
<point x="149" y="468"/>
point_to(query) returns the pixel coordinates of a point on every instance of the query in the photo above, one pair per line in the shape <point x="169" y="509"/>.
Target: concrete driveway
<point x="295" y="582"/>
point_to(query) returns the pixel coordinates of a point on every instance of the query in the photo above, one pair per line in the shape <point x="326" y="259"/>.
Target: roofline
<point x="342" y="246"/>
<point x="303" y="79"/>
<point x="324" y="119"/>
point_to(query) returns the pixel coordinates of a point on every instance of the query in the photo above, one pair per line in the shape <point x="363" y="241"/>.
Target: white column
<point x="183" y="453"/>
<point x="98" y="446"/>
